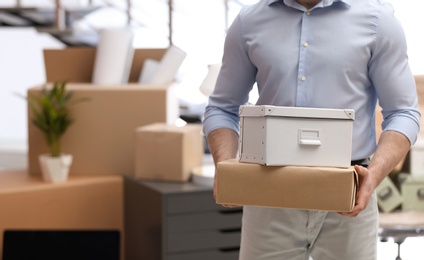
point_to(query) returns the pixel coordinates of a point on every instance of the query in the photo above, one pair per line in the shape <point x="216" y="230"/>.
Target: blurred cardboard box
<point x="312" y="188"/>
<point x="298" y="136"/>
<point x="168" y="152"/>
<point x="81" y="203"/>
<point x="101" y="139"/>
<point x="412" y="189"/>
<point x="76" y="64"/>
<point x="388" y="196"/>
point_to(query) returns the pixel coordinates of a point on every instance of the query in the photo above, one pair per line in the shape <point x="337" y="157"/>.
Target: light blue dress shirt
<point x="340" y="54"/>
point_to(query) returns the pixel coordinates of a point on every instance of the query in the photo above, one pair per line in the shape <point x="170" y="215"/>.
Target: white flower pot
<point x="55" y="169"/>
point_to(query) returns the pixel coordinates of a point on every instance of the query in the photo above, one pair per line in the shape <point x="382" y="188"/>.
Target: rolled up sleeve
<point x="235" y="81"/>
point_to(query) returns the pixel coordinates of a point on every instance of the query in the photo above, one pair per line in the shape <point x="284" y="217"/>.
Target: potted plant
<point x="51" y="115"/>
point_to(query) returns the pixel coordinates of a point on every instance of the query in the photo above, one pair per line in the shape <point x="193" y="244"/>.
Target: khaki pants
<point x="287" y="234"/>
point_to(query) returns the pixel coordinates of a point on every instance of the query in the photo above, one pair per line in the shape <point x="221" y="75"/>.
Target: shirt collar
<point x="325" y="2"/>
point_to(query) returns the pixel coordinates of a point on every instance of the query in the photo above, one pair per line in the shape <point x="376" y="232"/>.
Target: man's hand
<point x="392" y="147"/>
<point x="223" y="144"/>
<point x="365" y="191"/>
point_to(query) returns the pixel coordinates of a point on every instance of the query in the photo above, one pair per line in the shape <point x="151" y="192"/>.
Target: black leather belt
<point x="362" y="162"/>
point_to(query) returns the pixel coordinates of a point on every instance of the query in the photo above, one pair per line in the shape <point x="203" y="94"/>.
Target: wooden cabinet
<point x="178" y="221"/>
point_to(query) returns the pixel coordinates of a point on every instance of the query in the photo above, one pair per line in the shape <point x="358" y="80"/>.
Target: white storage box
<point x="279" y="136"/>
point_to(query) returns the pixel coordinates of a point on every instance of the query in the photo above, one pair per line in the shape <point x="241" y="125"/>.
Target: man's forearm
<point x="223" y="144"/>
<point x="392" y="148"/>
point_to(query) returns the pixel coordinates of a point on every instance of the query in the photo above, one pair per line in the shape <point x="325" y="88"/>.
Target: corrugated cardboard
<point x="101" y="139"/>
<point x="313" y="188"/>
<point x="167" y="152"/>
<point x="76" y="64"/>
<point x="297" y="136"/>
<point x="81" y="203"/>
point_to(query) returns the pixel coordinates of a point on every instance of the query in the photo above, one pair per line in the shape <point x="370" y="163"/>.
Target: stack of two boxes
<point x="291" y="157"/>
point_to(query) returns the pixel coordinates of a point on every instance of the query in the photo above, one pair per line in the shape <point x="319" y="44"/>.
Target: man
<point x="324" y="54"/>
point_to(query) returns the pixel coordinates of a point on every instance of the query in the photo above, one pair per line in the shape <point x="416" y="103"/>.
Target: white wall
<point x="410" y="15"/>
<point x="21" y="67"/>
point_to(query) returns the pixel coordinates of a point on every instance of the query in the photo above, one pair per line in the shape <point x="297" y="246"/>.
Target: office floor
<point x="411" y="249"/>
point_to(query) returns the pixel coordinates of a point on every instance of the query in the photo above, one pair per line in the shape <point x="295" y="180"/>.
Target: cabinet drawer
<point x="203" y="240"/>
<point x="193" y="202"/>
<point x="207" y="255"/>
<point x="215" y="220"/>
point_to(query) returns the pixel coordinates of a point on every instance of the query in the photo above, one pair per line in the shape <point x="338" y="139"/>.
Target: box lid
<point x="305" y="112"/>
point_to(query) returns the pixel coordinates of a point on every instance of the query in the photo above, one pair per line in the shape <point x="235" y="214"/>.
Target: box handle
<point x="385" y="193"/>
<point x="310" y="137"/>
<point x="420" y="193"/>
<point x="310" y="142"/>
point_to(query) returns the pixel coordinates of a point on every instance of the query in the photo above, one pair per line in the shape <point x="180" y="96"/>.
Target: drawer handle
<point x="385" y="193"/>
<point x="231" y="211"/>
<point x="230" y="249"/>
<point x="230" y="230"/>
<point x="420" y="193"/>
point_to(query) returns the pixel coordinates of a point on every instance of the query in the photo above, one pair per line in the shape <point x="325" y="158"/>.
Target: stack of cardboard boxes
<point x="102" y="140"/>
<point x="276" y="138"/>
<point x="291" y="158"/>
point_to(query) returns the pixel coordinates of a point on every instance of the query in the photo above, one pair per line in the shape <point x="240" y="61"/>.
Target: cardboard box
<point x="278" y="136"/>
<point x="412" y="189"/>
<point x="76" y="64"/>
<point x="81" y="203"/>
<point x="101" y="139"/>
<point x="312" y="188"/>
<point x="388" y="196"/>
<point x="167" y="152"/>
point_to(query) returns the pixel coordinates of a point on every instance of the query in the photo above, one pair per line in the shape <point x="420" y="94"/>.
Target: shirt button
<point x="308" y="13"/>
<point x="303" y="78"/>
<point x="305" y="44"/>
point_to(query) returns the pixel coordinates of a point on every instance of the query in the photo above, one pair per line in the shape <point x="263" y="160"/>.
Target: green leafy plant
<point x="52" y="115"/>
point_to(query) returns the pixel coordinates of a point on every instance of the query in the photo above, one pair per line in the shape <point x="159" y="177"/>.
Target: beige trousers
<point x="287" y="234"/>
